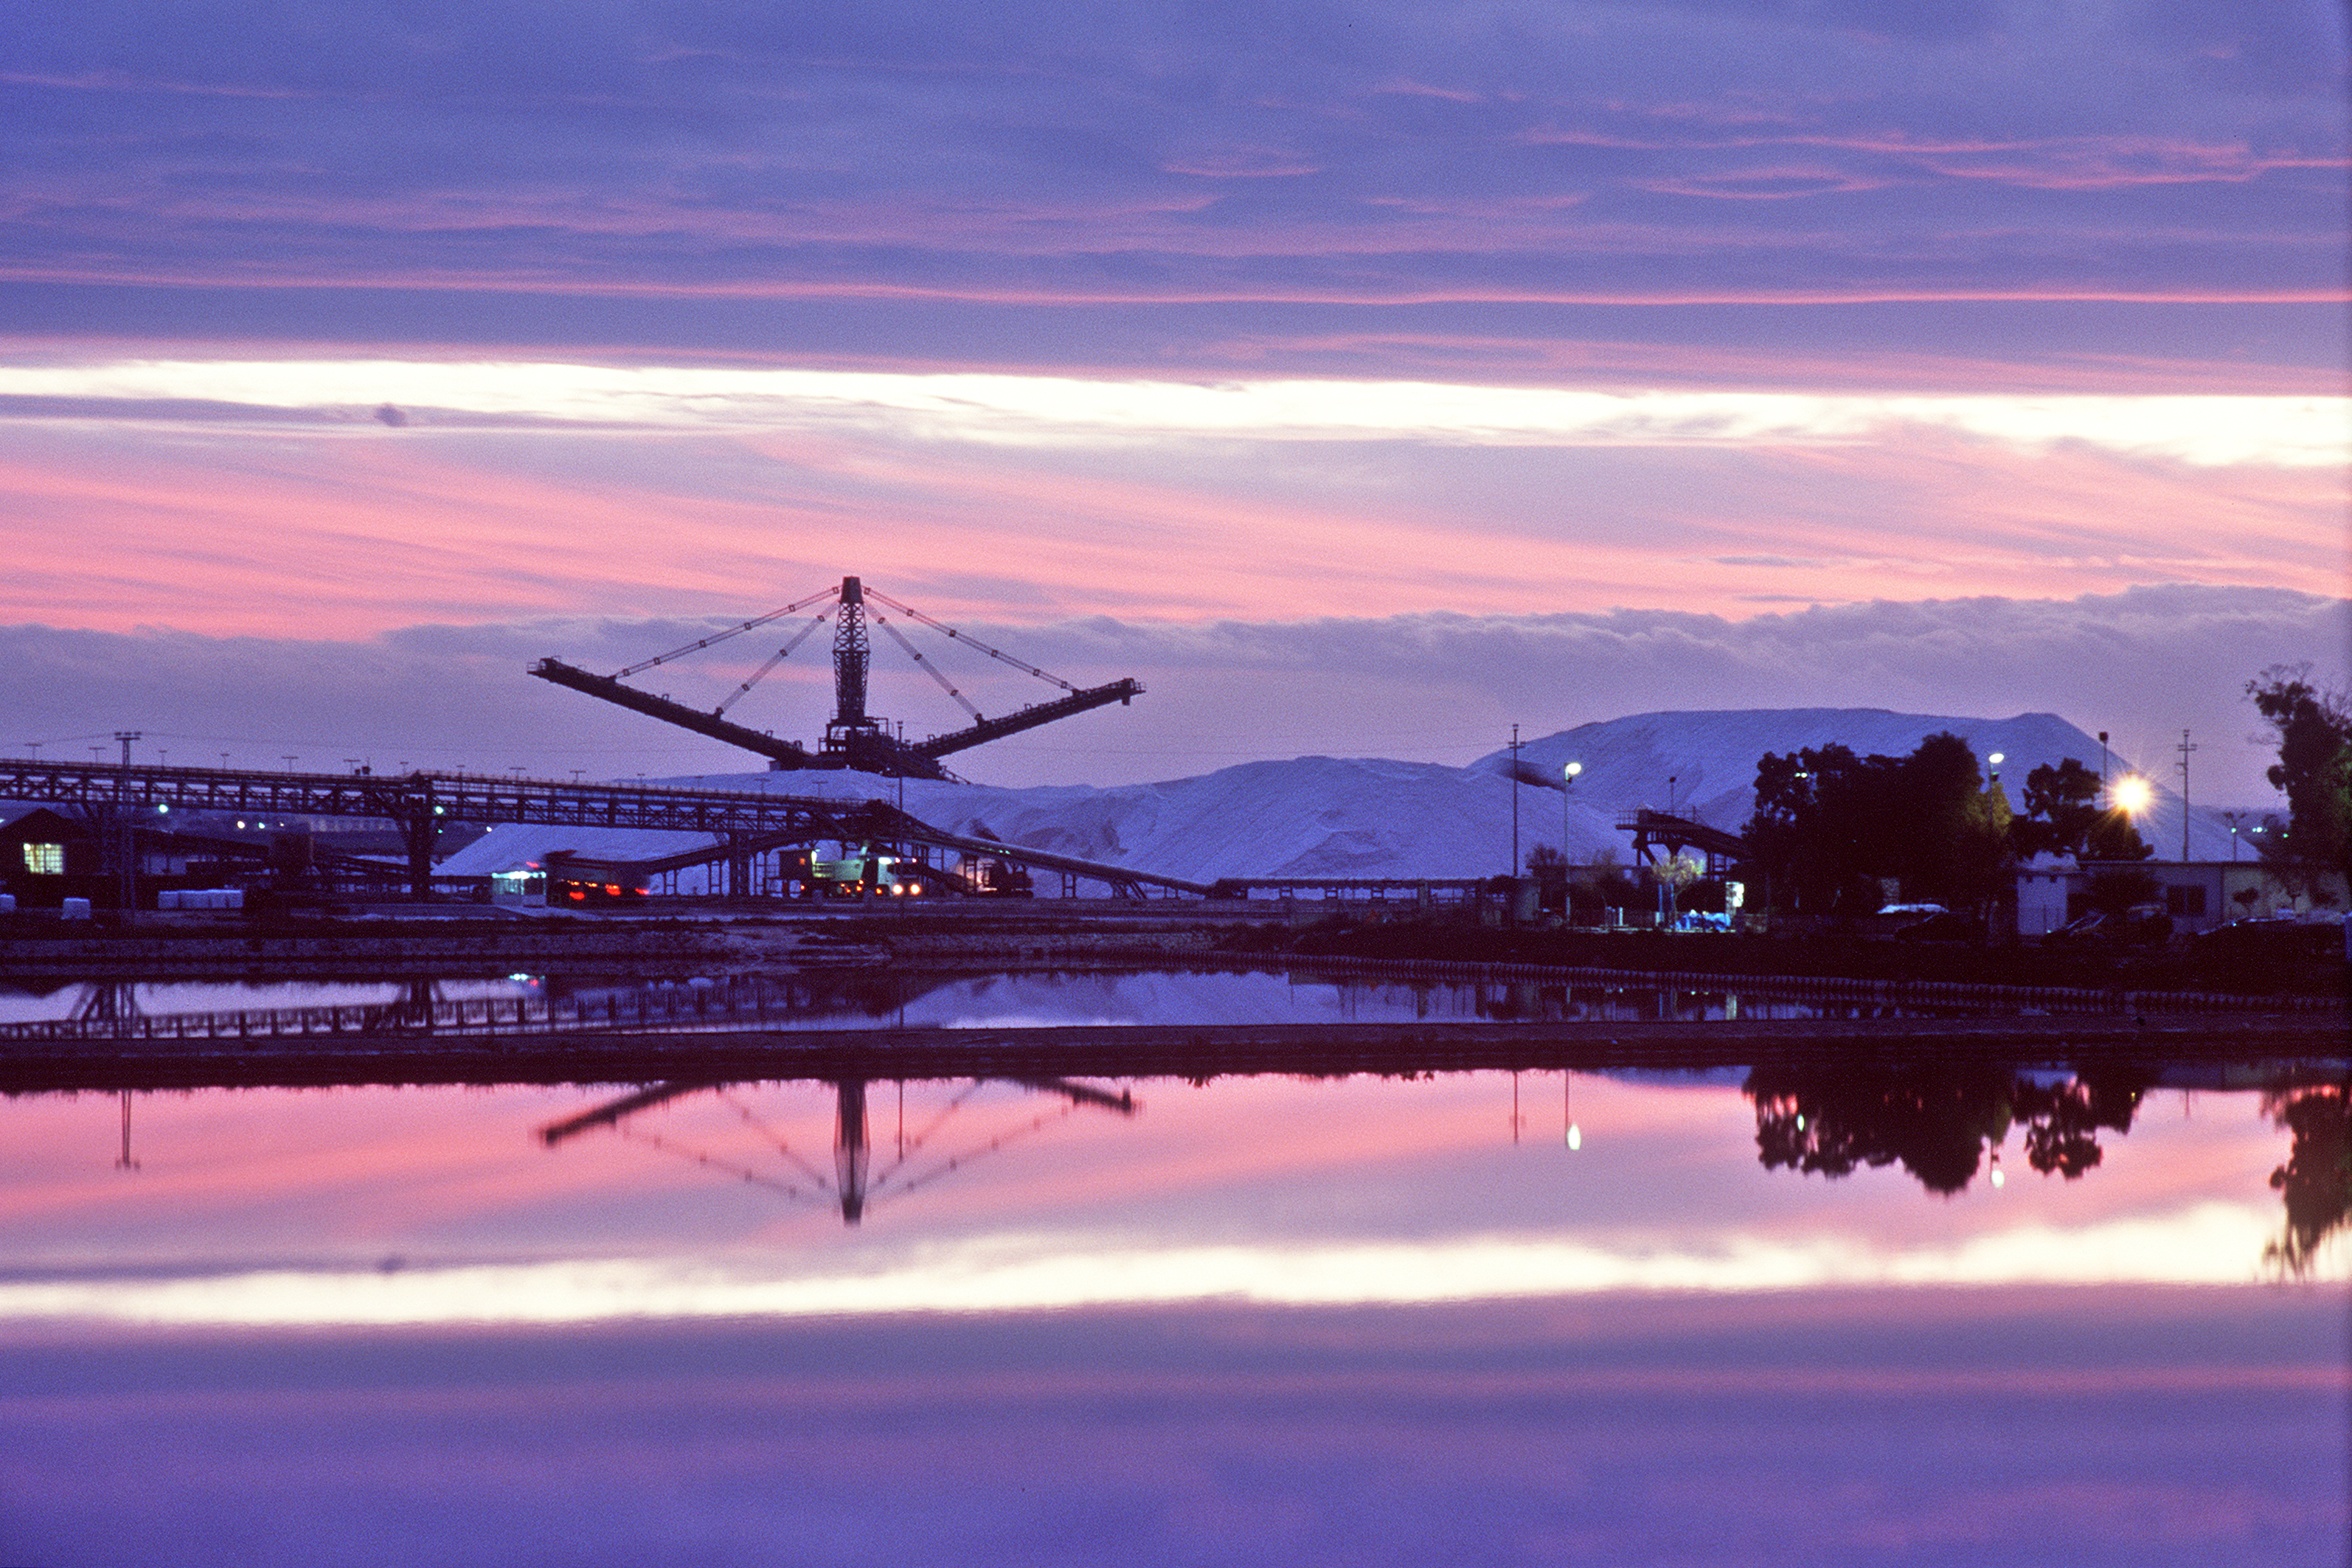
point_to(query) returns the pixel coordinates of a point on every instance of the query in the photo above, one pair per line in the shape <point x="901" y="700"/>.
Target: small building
<point x="47" y="858"/>
<point x="2048" y="887"/>
<point x="47" y="855"/>
<point x="2198" y="895"/>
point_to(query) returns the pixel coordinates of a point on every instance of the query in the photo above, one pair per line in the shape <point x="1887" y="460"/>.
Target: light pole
<point x="1569" y="772"/>
<point x="1567" y="787"/>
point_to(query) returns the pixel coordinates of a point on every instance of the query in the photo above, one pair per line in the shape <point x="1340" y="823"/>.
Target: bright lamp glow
<point x="2133" y="795"/>
<point x="1573" y="769"/>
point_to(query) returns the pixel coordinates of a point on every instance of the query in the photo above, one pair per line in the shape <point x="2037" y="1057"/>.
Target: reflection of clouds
<point x="2207" y="1243"/>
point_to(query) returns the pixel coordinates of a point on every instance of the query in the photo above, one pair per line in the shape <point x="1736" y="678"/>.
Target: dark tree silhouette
<point x="1829" y="826"/>
<point x="2314" y="771"/>
<point x="2062" y="813"/>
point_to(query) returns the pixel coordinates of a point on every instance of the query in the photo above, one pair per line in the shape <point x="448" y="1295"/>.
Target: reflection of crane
<point x="852" y="1185"/>
<point x="108" y="1002"/>
<point x="852" y="738"/>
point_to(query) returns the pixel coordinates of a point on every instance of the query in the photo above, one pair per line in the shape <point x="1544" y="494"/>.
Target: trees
<point x="2314" y="729"/>
<point x="2063" y="814"/>
<point x="1830" y="827"/>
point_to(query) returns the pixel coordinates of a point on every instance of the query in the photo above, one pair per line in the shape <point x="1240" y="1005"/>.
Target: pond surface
<point x="1944" y="1313"/>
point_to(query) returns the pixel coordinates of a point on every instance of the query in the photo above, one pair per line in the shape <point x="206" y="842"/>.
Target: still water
<point x="1979" y="1312"/>
<point x="839" y="999"/>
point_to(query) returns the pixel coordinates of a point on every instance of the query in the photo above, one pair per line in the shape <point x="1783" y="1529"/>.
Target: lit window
<point x="45" y="859"/>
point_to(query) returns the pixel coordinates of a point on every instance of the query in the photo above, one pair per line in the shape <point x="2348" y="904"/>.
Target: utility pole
<point x="1515" y="800"/>
<point x="2184" y="749"/>
<point x="125" y="835"/>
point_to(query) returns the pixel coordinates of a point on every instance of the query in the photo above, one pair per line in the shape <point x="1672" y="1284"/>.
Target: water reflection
<point x="1348" y="1318"/>
<point x="1943" y="1125"/>
<point x="1943" y="1122"/>
<point x="2316" y="1180"/>
<point x="1936" y="1119"/>
<point x="854" y="1185"/>
<point x="823" y="998"/>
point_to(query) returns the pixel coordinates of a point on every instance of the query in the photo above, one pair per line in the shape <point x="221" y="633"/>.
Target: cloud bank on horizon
<point x="1232" y="325"/>
<point x="1435" y="687"/>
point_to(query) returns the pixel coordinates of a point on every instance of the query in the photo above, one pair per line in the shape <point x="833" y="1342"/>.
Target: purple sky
<point x="1255" y="301"/>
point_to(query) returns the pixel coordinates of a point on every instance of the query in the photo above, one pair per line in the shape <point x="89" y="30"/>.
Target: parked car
<point x="1944" y="926"/>
<point x="2142" y="925"/>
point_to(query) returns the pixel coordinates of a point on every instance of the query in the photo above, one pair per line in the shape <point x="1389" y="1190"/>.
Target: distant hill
<point x="1366" y="817"/>
<point x="1712" y="754"/>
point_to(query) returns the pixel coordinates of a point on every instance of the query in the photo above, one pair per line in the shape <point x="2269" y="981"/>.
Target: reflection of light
<point x="2132" y="793"/>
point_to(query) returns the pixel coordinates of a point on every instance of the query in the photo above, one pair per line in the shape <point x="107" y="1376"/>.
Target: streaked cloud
<point x="1377" y="158"/>
<point x="2204" y="430"/>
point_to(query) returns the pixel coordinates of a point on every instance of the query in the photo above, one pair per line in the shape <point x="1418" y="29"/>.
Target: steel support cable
<point x="773" y="1136"/>
<point x="655" y="1141"/>
<point x="977" y="1150"/>
<point x="930" y="669"/>
<point x="914" y="1146"/>
<point x="756" y="621"/>
<point x="998" y="654"/>
<point x="757" y="675"/>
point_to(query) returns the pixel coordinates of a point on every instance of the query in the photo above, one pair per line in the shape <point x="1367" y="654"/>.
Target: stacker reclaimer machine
<point x="852" y="738"/>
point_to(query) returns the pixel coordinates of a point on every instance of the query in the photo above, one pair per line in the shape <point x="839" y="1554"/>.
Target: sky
<point x="1363" y="379"/>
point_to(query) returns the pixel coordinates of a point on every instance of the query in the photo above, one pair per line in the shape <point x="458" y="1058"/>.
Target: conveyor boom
<point x="785" y="755"/>
<point x="1029" y="718"/>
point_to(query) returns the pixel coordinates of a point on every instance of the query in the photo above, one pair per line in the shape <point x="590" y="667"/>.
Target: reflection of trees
<point x="1934" y="1118"/>
<point x="2316" y="1180"/>
<point x="2062" y="1121"/>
